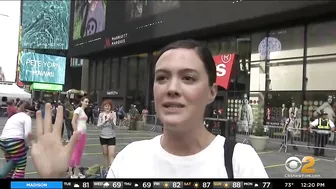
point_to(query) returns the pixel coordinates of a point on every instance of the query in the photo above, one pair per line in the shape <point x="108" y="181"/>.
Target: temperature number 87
<point x="206" y="185"/>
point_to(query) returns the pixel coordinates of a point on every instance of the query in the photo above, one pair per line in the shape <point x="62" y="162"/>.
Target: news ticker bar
<point x="195" y="184"/>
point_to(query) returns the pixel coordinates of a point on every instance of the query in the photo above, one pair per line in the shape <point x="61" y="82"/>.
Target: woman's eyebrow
<point x="180" y="71"/>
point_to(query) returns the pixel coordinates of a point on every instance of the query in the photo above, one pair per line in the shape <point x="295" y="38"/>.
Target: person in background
<point x="288" y="128"/>
<point x="68" y="112"/>
<point x="134" y="113"/>
<point x="144" y="115"/>
<point x="107" y="125"/>
<point x="17" y="101"/>
<point x="95" y="113"/>
<point x="89" y="113"/>
<point x="54" y="112"/>
<point x="43" y="108"/>
<point x="79" y="124"/>
<point x="121" y="114"/>
<point x="323" y="127"/>
<point x="11" y="108"/>
<point x="14" y="139"/>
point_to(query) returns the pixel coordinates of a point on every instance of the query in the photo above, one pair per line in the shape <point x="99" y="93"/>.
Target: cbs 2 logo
<point x="306" y="165"/>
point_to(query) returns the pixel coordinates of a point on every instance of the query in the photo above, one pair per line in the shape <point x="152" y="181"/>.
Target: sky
<point x="9" y="37"/>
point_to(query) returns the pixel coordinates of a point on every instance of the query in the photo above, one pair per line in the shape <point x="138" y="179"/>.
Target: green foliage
<point x="259" y="130"/>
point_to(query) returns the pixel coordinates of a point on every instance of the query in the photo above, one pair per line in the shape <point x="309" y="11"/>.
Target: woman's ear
<point x="212" y="93"/>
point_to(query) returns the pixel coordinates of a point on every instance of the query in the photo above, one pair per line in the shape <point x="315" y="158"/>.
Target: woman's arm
<point x="74" y="121"/>
<point x="114" y="118"/>
<point x="27" y="127"/>
<point x="100" y="120"/>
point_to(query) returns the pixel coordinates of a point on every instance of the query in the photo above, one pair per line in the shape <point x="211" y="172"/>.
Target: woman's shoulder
<point x="140" y="146"/>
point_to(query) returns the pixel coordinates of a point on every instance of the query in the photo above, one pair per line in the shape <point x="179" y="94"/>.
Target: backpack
<point x="71" y="113"/>
<point x="66" y="114"/>
<point x="228" y="153"/>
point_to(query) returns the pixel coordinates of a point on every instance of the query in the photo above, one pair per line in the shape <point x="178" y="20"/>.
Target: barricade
<point x="151" y="121"/>
<point x="219" y="126"/>
<point x="305" y="138"/>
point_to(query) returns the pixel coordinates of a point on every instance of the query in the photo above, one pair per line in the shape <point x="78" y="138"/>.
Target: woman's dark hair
<point x="82" y="99"/>
<point x="201" y="50"/>
<point x="25" y="106"/>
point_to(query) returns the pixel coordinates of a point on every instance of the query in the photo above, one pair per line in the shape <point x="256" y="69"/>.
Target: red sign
<point x="224" y="64"/>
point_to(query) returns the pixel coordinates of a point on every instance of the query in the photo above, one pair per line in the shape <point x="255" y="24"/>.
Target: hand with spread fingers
<point x="50" y="157"/>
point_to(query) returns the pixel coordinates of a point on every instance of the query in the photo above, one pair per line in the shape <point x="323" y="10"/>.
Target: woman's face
<point x="85" y="103"/>
<point x="107" y="108"/>
<point x="330" y="99"/>
<point x="181" y="88"/>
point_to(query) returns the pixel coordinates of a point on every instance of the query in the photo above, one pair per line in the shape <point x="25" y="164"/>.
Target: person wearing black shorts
<point x="107" y="141"/>
<point x="106" y="123"/>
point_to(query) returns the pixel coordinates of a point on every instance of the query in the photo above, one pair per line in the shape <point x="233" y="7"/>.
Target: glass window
<point x="316" y="101"/>
<point x="106" y="73"/>
<point x="143" y="73"/>
<point x="321" y="38"/>
<point x="214" y="47"/>
<point x="283" y="43"/>
<point x="99" y="73"/>
<point x="143" y="80"/>
<point x="92" y="73"/>
<point x="132" y="74"/>
<point x="227" y="45"/>
<point x="286" y="43"/>
<point x="257" y="76"/>
<point x="280" y="104"/>
<point x="258" y="53"/>
<point x="123" y="67"/>
<point x="257" y="104"/>
<point x="286" y="74"/>
<point x="321" y="73"/>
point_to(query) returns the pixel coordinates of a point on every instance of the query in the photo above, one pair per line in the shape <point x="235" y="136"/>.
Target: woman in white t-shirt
<point x="14" y="136"/>
<point x="79" y="124"/>
<point x="184" y="84"/>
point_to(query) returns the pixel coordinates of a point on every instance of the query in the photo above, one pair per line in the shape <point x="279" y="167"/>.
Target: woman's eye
<point x="160" y="78"/>
<point x="189" y="78"/>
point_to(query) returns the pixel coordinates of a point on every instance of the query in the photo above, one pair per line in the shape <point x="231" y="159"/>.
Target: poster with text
<point x="45" y="24"/>
<point x="42" y="68"/>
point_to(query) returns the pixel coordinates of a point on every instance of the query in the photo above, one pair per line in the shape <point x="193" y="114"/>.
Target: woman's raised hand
<point x="50" y="157"/>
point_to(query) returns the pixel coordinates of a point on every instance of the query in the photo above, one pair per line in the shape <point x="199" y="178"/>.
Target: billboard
<point x="133" y="21"/>
<point x="42" y="68"/>
<point x="89" y="18"/>
<point x="46" y="87"/>
<point x="9" y="39"/>
<point x="45" y="24"/>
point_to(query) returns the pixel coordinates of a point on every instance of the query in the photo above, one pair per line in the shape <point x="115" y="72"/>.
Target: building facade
<point x="283" y="58"/>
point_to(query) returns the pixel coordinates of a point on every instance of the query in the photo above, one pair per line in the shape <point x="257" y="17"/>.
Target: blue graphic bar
<point x="36" y="184"/>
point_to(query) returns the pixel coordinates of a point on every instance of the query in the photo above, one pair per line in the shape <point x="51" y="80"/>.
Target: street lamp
<point x="5" y="15"/>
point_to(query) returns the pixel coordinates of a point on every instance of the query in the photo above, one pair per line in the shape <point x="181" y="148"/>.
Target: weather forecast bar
<point x="164" y="183"/>
<point x="36" y="184"/>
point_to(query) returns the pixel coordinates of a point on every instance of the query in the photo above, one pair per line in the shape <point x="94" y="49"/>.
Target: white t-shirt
<point x="81" y="120"/>
<point x="147" y="159"/>
<point x="17" y="126"/>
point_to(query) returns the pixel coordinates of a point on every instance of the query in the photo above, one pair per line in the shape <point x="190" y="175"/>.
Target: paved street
<point x="273" y="160"/>
<point x="93" y="152"/>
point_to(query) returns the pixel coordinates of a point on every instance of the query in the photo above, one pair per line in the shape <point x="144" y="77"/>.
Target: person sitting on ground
<point x="185" y="82"/>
